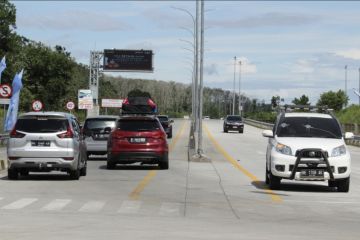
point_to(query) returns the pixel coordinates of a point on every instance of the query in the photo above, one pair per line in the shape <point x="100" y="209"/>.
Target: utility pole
<point x="359" y="85"/>
<point x="233" y="107"/>
<point x="346" y="82"/>
<point x="240" y="100"/>
<point x="200" y="149"/>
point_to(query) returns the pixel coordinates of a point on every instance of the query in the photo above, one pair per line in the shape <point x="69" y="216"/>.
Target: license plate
<point x="235" y="127"/>
<point x="137" y="140"/>
<point x="40" y="143"/>
<point x="312" y="173"/>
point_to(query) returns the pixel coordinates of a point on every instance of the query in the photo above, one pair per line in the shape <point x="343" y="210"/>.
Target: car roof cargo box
<point x="139" y="105"/>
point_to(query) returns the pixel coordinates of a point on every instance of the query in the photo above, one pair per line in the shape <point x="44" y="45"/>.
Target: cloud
<point x="351" y="54"/>
<point x="74" y="20"/>
<point x="304" y="66"/>
<point x="268" y="20"/>
<point x="211" y="69"/>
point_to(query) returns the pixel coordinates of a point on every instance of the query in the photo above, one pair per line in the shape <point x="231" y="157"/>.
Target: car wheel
<point x="332" y="183"/>
<point x="274" y="182"/>
<point x="225" y="130"/>
<point x="164" y="162"/>
<point x="110" y="165"/>
<point x="75" y="174"/>
<point x="241" y="131"/>
<point x="267" y="181"/>
<point x="170" y="134"/>
<point x="13" y="174"/>
<point x="343" y="185"/>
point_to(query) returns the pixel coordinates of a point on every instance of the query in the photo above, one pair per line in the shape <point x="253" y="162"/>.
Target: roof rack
<point x="305" y="108"/>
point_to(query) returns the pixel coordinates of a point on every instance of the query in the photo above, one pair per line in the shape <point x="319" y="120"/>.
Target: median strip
<point x="230" y="159"/>
<point x="135" y="194"/>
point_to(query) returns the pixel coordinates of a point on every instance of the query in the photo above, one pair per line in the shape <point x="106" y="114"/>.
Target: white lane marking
<point x="20" y="203"/>
<point x="260" y="152"/>
<point x="168" y="208"/>
<point x="129" y="206"/>
<point x="56" y="205"/>
<point x="92" y="206"/>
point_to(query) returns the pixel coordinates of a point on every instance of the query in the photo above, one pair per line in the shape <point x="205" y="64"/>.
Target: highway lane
<point x="191" y="200"/>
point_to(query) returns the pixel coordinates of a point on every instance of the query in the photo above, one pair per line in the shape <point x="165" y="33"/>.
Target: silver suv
<point x="95" y="135"/>
<point x="44" y="142"/>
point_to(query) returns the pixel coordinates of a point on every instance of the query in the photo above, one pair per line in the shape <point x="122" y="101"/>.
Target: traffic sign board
<point x="37" y="105"/>
<point x="5" y="90"/>
<point x="70" y="105"/>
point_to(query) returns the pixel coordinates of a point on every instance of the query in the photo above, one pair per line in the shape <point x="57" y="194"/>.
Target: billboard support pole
<point x="95" y="59"/>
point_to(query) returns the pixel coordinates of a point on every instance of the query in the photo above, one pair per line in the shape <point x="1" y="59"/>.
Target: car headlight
<point x="338" y="151"/>
<point x="281" y="148"/>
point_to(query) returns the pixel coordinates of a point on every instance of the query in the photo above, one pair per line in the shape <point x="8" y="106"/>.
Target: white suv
<point x="308" y="146"/>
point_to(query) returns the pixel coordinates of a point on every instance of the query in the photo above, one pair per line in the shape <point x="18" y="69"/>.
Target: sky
<point x="286" y="48"/>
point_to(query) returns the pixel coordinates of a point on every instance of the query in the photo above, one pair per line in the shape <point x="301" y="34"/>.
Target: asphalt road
<point x="222" y="199"/>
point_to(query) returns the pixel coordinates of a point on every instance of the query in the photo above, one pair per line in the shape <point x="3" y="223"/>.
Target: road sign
<point x="5" y="90"/>
<point x="70" y="105"/>
<point x="113" y="103"/>
<point x="5" y="101"/>
<point x="37" y="105"/>
<point x="85" y="99"/>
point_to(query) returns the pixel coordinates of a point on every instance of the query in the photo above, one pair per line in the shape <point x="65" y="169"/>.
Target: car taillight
<point x="68" y="134"/>
<point x="13" y="158"/>
<point x="126" y="101"/>
<point x="68" y="158"/>
<point x="16" y="134"/>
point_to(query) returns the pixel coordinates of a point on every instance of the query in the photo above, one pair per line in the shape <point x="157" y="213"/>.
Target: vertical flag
<point x="11" y="115"/>
<point x="2" y="66"/>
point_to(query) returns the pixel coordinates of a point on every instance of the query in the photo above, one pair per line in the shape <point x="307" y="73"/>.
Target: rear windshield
<point x="309" y="127"/>
<point x="163" y="119"/>
<point x="234" y="118"/>
<point x="99" y="124"/>
<point x="138" y="125"/>
<point x="41" y="124"/>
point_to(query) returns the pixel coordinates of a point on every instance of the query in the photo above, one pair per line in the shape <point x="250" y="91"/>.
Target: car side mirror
<point x="171" y="121"/>
<point x="349" y="135"/>
<point x="107" y="130"/>
<point x="268" y="133"/>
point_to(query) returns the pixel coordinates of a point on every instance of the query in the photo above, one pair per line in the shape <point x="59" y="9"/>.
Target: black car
<point x="166" y="124"/>
<point x="233" y="123"/>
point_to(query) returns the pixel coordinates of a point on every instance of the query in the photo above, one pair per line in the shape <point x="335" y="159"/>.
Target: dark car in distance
<point x="233" y="123"/>
<point x="166" y="124"/>
<point x="137" y="138"/>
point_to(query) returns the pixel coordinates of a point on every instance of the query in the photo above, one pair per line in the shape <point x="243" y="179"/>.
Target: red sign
<point x="37" y="105"/>
<point x="5" y="90"/>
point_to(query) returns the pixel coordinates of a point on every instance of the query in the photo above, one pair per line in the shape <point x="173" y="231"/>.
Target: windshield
<point x="309" y="127"/>
<point x="42" y="125"/>
<point x="163" y="118"/>
<point x="233" y="118"/>
<point x="98" y="124"/>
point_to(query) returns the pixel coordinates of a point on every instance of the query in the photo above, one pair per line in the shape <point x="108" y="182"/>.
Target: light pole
<point x="233" y="107"/>
<point x="194" y="97"/>
<point x="345" y="82"/>
<point x="240" y="102"/>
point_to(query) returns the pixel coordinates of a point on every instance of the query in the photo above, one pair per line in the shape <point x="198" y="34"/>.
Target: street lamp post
<point x="240" y="100"/>
<point x="345" y="81"/>
<point x="233" y="107"/>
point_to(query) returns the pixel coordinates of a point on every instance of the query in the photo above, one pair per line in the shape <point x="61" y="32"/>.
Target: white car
<point x="308" y="146"/>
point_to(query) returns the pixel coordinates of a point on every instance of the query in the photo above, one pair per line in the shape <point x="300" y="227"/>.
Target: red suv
<point x="137" y="139"/>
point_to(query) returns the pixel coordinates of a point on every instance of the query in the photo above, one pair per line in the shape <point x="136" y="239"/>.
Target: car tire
<point x="13" y="174"/>
<point x="332" y="183"/>
<point x="343" y="185"/>
<point x="274" y="182"/>
<point x="241" y="131"/>
<point x="225" y="130"/>
<point x="24" y="173"/>
<point x="164" y="162"/>
<point x="170" y="134"/>
<point x="110" y="165"/>
<point x="267" y="180"/>
<point x="75" y="174"/>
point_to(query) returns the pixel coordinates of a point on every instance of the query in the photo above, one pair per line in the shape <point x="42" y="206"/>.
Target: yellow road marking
<point x="135" y="194"/>
<point x="230" y="159"/>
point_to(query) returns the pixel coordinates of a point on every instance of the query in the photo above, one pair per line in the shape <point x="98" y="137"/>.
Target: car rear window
<point x="99" y="123"/>
<point x="138" y="125"/>
<point x="42" y="124"/>
<point x="309" y="127"/>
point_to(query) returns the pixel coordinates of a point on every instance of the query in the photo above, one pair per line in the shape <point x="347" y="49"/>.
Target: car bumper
<point x="131" y="157"/>
<point x="287" y="163"/>
<point x="96" y="146"/>
<point x="234" y="127"/>
<point x="43" y="164"/>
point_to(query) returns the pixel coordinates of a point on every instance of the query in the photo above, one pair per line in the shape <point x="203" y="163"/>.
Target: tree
<point x="275" y="100"/>
<point x="334" y="100"/>
<point x="304" y="100"/>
